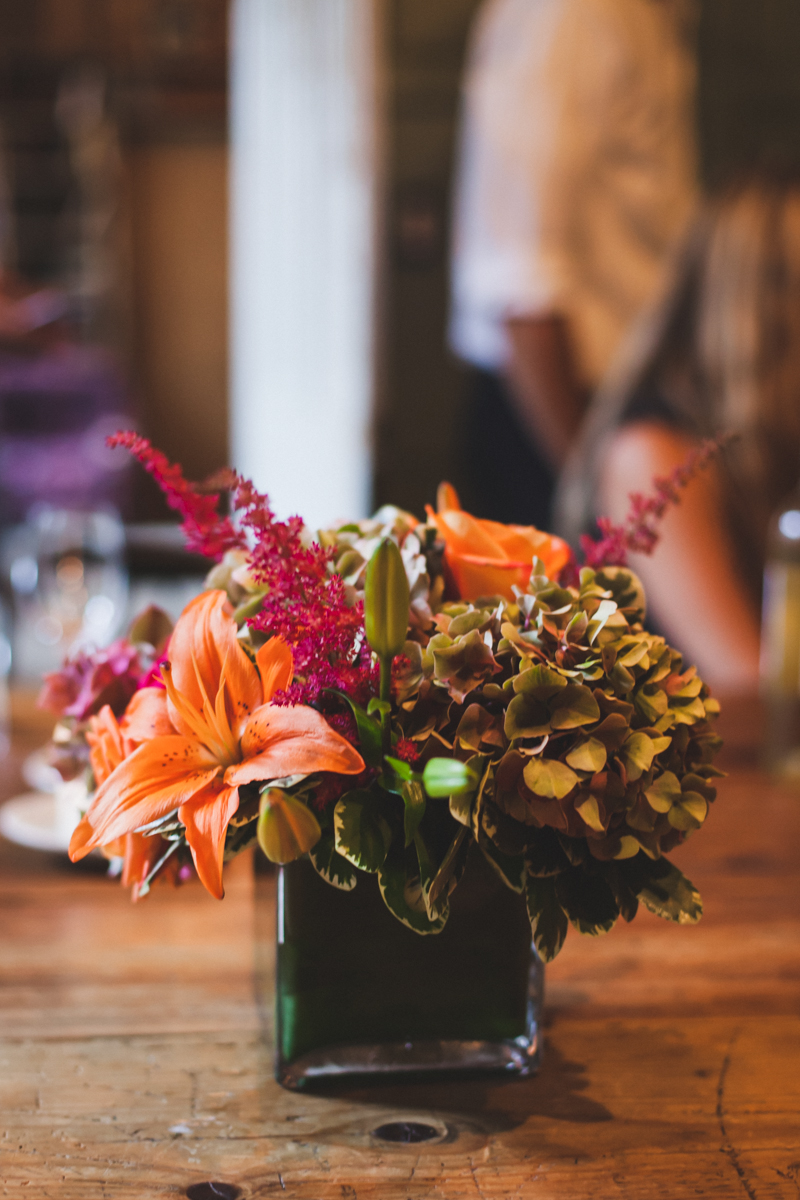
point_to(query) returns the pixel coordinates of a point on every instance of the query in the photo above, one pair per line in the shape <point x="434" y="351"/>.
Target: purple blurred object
<point x="86" y="682"/>
<point x="56" y="411"/>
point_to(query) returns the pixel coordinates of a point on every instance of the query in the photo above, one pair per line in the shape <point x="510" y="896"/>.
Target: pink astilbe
<point x="407" y="751"/>
<point x="305" y="602"/>
<point x="206" y="532"/>
<point x="639" y="533"/>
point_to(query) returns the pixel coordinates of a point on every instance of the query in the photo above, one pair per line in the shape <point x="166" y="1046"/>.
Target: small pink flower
<point x="87" y="682"/>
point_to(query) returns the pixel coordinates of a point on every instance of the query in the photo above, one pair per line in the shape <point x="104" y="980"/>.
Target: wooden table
<point x="132" y="1065"/>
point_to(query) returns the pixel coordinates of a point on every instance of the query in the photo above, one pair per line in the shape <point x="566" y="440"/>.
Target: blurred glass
<point x="69" y="584"/>
<point x="5" y="671"/>
<point x="780" y="640"/>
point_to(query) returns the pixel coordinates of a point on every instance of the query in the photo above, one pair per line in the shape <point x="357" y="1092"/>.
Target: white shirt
<point x="577" y="171"/>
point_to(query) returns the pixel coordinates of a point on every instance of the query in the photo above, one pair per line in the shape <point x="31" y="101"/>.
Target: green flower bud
<point x="386" y="601"/>
<point x="444" y="777"/>
<point x="286" y="828"/>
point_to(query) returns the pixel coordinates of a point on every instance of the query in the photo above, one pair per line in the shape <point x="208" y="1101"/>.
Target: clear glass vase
<point x="359" y="994"/>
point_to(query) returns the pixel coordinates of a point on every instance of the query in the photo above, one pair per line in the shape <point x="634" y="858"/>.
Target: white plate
<point x="44" y="821"/>
<point x="37" y="772"/>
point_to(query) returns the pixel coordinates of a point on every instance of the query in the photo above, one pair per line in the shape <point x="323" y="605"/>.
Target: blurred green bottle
<point x="780" y="639"/>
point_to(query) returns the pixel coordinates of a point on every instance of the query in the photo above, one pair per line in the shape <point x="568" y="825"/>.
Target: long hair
<point x="748" y="334"/>
<point x="721" y="349"/>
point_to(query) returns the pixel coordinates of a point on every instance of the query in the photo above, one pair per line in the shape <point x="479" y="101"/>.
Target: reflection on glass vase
<point x="356" y="993"/>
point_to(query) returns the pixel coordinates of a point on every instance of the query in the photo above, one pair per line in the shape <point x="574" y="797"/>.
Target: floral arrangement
<point x="386" y="699"/>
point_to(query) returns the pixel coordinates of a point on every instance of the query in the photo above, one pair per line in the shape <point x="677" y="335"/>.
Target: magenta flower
<point x="86" y="682"/>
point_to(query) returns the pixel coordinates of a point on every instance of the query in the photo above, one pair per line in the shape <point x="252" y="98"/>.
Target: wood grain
<point x="132" y="1064"/>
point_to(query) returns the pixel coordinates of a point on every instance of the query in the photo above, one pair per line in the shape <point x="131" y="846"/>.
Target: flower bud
<point x="386" y="601"/>
<point x="286" y="828"/>
<point x="444" y="777"/>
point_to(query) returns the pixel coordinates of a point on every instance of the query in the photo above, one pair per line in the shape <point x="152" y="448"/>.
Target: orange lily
<point x="109" y="743"/>
<point x="486" y="558"/>
<point x="211" y="731"/>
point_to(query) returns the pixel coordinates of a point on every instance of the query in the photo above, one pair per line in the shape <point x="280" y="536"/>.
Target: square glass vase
<point x="358" y="994"/>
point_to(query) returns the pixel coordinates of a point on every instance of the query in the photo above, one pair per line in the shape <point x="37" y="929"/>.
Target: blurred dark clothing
<point x="509" y="479"/>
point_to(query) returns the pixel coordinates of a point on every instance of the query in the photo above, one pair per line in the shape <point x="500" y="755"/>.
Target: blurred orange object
<point x="485" y="558"/>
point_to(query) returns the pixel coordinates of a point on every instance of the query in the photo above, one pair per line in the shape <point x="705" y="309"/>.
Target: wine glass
<point x="69" y="583"/>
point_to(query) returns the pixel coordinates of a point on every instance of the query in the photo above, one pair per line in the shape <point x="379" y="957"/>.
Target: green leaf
<point x="606" y="609"/>
<point x="402" y="891"/>
<point x="695" y="804"/>
<point x="637" y="755"/>
<point x="664" y="792"/>
<point x="544" y="856"/>
<point x="331" y="866"/>
<point x="526" y="717"/>
<point x="590" y="813"/>
<point x="403" y="770"/>
<point x="369" y="731"/>
<point x="629" y="847"/>
<point x="451" y="870"/>
<point x="621" y="678"/>
<point x="548" y="921"/>
<point x="443" y="777"/>
<point x="627" y="901"/>
<point x="633" y="653"/>
<point x="363" y="835"/>
<point x="539" y="682"/>
<point x="590" y="755"/>
<point x="576" y="629"/>
<point x="575" y="848"/>
<point x="625" y="587"/>
<point x="573" y="707"/>
<point x="415" y="802"/>
<point x="612" y="732"/>
<point x="463" y="807"/>
<point x="511" y="869"/>
<point x="663" y="889"/>
<point x="587" y="900"/>
<point x="381" y="707"/>
<point x="550" y="778"/>
<point x="689" y="812"/>
<point x="466" y="622"/>
<point x="652" y="703"/>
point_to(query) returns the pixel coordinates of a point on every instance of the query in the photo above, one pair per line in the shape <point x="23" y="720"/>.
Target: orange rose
<point x="485" y="558"/>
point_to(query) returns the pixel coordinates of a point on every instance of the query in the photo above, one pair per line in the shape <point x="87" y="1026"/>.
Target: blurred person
<point x="576" y="180"/>
<point x="61" y="388"/>
<point x="720" y="355"/>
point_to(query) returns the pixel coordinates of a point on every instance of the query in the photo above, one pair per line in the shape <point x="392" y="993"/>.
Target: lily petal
<point x="275" y="666"/>
<point x="141" y="855"/>
<point x="204" y="642"/>
<point x="106" y="749"/>
<point x="146" y="716"/>
<point x="153" y="781"/>
<point x="291" y="741"/>
<point x="206" y="817"/>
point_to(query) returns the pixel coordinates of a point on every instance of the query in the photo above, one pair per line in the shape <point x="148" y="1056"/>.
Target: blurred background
<point x="229" y="225"/>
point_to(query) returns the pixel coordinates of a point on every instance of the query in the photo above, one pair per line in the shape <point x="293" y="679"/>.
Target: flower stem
<point x="386" y="694"/>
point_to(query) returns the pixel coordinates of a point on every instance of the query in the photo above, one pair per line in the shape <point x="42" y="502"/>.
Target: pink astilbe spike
<point x="639" y="532"/>
<point x="206" y="532"/>
<point x="306" y="603"/>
